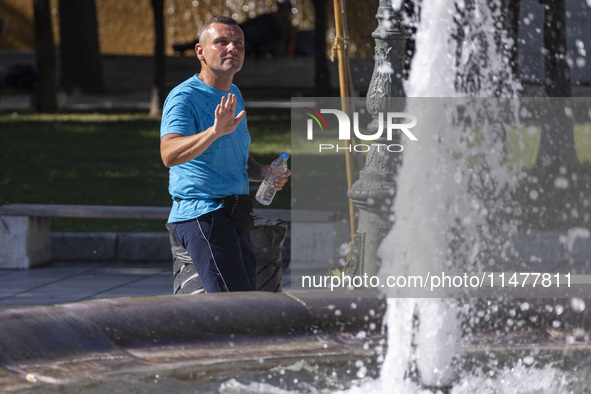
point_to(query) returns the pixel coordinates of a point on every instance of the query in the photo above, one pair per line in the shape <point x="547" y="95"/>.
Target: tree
<point x="81" y="68"/>
<point x="557" y="142"/>
<point x="321" y="73"/>
<point x="512" y="20"/>
<point x="45" y="98"/>
<point x="159" y="72"/>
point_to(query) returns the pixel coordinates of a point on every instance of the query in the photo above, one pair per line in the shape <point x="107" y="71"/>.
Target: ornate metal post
<point x="374" y="192"/>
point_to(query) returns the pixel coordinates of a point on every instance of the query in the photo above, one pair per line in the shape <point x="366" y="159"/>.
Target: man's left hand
<point x="279" y="181"/>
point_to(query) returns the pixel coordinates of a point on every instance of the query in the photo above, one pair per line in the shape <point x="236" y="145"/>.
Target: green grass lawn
<point x="112" y="158"/>
<point x="105" y="159"/>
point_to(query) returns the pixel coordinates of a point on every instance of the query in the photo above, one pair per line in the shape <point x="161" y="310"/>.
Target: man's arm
<point x="177" y="149"/>
<point x="256" y="171"/>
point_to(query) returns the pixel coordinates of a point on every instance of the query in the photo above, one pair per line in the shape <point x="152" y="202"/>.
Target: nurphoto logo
<point x="394" y="121"/>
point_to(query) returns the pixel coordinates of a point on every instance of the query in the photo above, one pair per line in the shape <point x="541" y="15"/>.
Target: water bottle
<point x="267" y="190"/>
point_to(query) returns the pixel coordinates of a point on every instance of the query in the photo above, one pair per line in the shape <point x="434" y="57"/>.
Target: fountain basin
<point x="202" y="335"/>
<point x="208" y="339"/>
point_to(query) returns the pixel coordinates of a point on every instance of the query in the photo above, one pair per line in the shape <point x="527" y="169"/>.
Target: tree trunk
<point x="513" y="32"/>
<point x="45" y="96"/>
<point x="159" y="73"/>
<point x="81" y="68"/>
<point x="557" y="72"/>
<point x="321" y="74"/>
<point x="557" y="143"/>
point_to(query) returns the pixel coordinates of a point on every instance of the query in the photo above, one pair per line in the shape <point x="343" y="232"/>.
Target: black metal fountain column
<point x="374" y="191"/>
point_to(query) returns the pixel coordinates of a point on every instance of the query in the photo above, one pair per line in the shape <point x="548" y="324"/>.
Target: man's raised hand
<point x="225" y="122"/>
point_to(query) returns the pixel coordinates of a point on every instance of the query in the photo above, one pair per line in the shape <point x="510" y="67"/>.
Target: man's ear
<point x="199" y="52"/>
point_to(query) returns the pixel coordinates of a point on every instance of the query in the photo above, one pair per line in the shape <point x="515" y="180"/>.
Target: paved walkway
<point x="61" y="283"/>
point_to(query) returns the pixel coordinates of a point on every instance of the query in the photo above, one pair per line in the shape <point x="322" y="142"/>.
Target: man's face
<point x="223" y="49"/>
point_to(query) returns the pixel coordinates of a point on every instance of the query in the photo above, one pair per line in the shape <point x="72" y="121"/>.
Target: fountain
<point x="457" y="210"/>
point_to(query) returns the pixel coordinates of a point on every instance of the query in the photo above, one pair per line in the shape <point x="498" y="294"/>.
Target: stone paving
<point x="60" y="283"/>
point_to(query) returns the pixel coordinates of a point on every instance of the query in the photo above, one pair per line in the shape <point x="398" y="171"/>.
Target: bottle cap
<point x="284" y="156"/>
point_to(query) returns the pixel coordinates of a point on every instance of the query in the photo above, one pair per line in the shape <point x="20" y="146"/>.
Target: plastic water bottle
<point x="267" y="189"/>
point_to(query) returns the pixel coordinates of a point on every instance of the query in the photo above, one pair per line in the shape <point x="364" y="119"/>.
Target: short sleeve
<point x="178" y="116"/>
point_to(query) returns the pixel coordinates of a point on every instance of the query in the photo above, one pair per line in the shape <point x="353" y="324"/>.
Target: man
<point x="204" y="141"/>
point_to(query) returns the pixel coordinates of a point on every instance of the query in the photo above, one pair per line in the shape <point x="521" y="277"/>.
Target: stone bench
<point x="25" y="229"/>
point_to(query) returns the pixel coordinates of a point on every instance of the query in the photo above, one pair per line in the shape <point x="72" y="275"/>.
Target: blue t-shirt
<point x="221" y="169"/>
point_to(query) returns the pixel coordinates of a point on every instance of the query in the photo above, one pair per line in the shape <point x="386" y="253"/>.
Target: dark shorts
<point x="221" y="252"/>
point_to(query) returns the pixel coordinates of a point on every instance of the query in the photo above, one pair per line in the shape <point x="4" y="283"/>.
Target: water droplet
<point x="385" y="68"/>
<point x="577" y="304"/>
<point x="559" y="310"/>
<point x="561" y="183"/>
<point x="344" y="249"/>
<point x="458" y="176"/>
<point x="361" y="372"/>
<point x="580" y="47"/>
